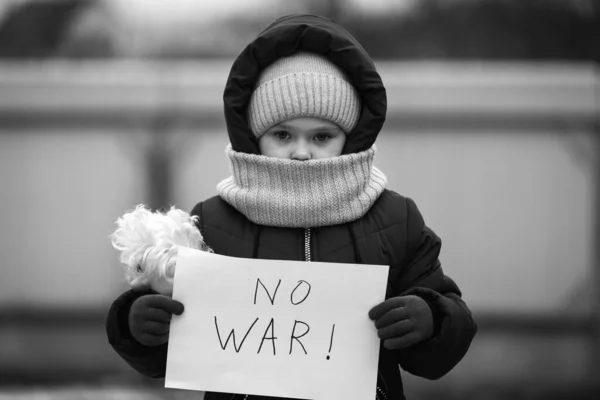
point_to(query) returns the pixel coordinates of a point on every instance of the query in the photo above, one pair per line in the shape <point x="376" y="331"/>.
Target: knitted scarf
<point x="302" y="194"/>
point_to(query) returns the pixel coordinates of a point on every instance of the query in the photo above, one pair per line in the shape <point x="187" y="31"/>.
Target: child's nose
<point x="301" y="152"/>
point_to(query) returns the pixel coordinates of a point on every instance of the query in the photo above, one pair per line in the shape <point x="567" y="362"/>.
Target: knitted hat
<point x="303" y="85"/>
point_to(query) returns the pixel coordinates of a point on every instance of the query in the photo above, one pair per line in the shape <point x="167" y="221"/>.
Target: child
<point x="303" y="105"/>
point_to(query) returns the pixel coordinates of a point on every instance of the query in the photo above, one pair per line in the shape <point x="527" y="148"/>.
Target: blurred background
<point x="492" y="129"/>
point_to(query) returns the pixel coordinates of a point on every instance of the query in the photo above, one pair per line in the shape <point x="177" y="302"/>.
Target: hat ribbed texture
<point x="302" y="194"/>
<point x="303" y="85"/>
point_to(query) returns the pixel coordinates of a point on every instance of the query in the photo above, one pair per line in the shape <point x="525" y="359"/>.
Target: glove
<point x="150" y="318"/>
<point x="402" y="321"/>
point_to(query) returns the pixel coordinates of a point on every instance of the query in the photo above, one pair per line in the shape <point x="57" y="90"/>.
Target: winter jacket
<point x="392" y="232"/>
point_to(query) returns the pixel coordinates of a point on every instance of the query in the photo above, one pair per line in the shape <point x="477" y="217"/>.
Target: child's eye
<point x="282" y="135"/>
<point x="322" y="137"/>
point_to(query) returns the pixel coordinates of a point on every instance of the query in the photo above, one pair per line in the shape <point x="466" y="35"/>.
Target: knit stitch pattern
<point x="303" y="85"/>
<point x="302" y="194"/>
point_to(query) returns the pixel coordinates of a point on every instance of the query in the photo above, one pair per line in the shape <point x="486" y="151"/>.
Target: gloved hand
<point x="150" y="318"/>
<point x="402" y="321"/>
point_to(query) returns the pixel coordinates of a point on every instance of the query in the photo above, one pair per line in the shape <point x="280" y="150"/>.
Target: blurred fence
<point x="503" y="160"/>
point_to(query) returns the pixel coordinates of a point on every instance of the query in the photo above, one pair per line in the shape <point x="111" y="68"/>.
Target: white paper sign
<point x="275" y="328"/>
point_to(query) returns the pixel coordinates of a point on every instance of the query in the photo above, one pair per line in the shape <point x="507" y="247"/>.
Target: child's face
<point x="304" y="138"/>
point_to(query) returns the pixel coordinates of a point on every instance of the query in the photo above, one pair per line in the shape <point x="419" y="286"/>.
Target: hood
<point x="320" y="35"/>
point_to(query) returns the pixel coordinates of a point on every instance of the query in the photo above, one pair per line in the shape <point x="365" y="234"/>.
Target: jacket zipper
<point x="380" y="394"/>
<point x="307" y="253"/>
<point x="383" y="388"/>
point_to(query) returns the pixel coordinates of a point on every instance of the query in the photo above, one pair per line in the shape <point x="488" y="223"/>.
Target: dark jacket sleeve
<point x="149" y="361"/>
<point x="423" y="276"/>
